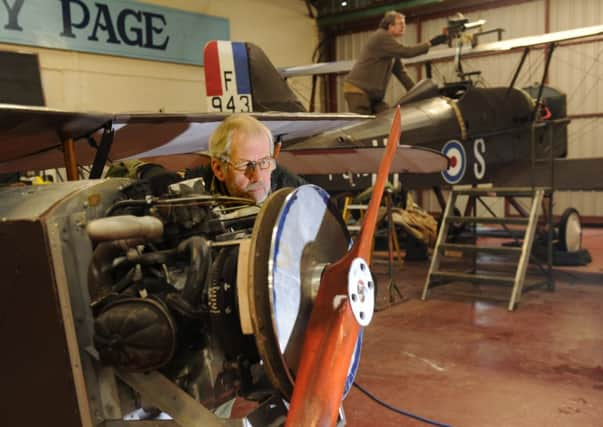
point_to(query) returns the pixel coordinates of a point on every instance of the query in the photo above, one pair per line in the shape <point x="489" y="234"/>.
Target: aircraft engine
<point x="162" y="284"/>
<point x="144" y="301"/>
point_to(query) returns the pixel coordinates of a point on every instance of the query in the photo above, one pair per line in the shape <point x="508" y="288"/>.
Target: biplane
<point x="181" y="302"/>
<point x="486" y="132"/>
<point x="501" y="136"/>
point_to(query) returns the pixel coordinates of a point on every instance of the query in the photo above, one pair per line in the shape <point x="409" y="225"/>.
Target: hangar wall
<point x="576" y="69"/>
<point x="89" y="82"/>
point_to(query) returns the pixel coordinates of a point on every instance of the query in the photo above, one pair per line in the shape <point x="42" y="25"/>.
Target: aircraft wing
<point x="407" y="159"/>
<point x="195" y="130"/>
<point x="37" y="132"/>
<point x="467" y="51"/>
<point x="32" y="138"/>
<point x="334" y="67"/>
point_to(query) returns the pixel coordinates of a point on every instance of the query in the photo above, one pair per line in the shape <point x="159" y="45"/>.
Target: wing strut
<point x="333" y="329"/>
<point x="519" y="67"/>
<point x="102" y="152"/>
<point x="549" y="56"/>
<point x="70" y="160"/>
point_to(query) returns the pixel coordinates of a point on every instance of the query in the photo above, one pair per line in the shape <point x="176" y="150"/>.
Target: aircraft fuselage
<point x="479" y="130"/>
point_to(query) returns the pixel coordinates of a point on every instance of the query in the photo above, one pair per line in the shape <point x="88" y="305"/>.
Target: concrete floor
<point x="467" y="362"/>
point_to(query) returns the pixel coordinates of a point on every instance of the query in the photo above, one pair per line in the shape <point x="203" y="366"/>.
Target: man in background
<point x="364" y="87"/>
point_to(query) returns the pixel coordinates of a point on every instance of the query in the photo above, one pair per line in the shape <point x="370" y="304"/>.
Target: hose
<point x="398" y="411"/>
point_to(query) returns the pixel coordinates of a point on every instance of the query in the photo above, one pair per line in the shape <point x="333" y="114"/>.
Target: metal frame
<point x="525" y="252"/>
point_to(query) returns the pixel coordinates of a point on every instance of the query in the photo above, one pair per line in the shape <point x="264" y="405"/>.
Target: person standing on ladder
<point x="364" y="87"/>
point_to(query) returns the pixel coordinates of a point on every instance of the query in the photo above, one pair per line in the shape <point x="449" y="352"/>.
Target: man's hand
<point x="439" y="39"/>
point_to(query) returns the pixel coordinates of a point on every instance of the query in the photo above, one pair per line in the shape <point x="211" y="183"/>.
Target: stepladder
<point x="519" y="231"/>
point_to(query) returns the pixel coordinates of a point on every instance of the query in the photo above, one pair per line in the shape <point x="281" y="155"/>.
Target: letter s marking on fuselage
<point x="479" y="167"/>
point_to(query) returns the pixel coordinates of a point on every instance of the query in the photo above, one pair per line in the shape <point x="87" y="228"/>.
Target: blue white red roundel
<point x="457" y="158"/>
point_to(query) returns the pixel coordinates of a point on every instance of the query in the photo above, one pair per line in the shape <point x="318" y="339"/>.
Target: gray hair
<point x="390" y="19"/>
<point x="221" y="139"/>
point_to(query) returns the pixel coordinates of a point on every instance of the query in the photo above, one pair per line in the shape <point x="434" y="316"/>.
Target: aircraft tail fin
<point x="239" y="77"/>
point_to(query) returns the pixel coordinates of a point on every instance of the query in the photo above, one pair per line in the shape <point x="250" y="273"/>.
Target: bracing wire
<point x="585" y="75"/>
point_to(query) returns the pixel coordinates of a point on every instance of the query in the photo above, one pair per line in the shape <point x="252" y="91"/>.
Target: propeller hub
<point x="361" y="291"/>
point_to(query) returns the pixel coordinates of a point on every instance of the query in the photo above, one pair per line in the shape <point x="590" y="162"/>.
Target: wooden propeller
<point x="332" y="331"/>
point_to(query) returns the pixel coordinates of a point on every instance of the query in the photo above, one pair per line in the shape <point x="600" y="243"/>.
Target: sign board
<point x="111" y="27"/>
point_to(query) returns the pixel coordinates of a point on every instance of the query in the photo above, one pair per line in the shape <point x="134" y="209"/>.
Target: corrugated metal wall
<point x="576" y="70"/>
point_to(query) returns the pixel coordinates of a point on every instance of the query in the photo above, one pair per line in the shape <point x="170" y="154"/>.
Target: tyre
<point x="570" y="231"/>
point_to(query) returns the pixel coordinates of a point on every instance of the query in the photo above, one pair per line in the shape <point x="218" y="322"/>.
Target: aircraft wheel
<point x="570" y="231"/>
<point x="456" y="228"/>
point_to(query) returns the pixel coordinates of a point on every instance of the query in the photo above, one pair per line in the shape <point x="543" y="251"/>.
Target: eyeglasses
<point x="250" y="165"/>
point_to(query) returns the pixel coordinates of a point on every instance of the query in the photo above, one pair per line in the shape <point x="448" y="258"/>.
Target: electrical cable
<point x="398" y="411"/>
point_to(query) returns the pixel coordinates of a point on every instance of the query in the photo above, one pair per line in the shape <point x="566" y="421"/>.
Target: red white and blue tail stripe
<point x="227" y="76"/>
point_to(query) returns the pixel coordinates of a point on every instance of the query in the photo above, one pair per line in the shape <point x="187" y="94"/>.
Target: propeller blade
<point x="332" y="331"/>
<point x="363" y="245"/>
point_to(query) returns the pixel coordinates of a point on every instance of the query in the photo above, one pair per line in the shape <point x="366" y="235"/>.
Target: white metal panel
<point x="584" y="135"/>
<point x="565" y="15"/>
<point x="586" y="202"/>
<point x="524" y="19"/>
<point x="577" y="71"/>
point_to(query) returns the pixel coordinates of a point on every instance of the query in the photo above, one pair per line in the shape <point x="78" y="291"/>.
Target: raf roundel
<point x="455" y="152"/>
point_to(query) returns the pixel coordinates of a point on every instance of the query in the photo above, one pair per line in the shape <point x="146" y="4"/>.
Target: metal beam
<point x="165" y="395"/>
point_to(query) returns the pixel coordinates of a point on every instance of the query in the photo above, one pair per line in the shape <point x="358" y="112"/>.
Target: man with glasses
<point x="364" y="88"/>
<point x="242" y="162"/>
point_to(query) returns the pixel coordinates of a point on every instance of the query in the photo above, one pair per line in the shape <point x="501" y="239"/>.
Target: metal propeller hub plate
<point x="361" y="291"/>
<point x="296" y="234"/>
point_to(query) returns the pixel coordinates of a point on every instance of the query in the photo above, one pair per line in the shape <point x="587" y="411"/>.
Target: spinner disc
<point x="296" y="234"/>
